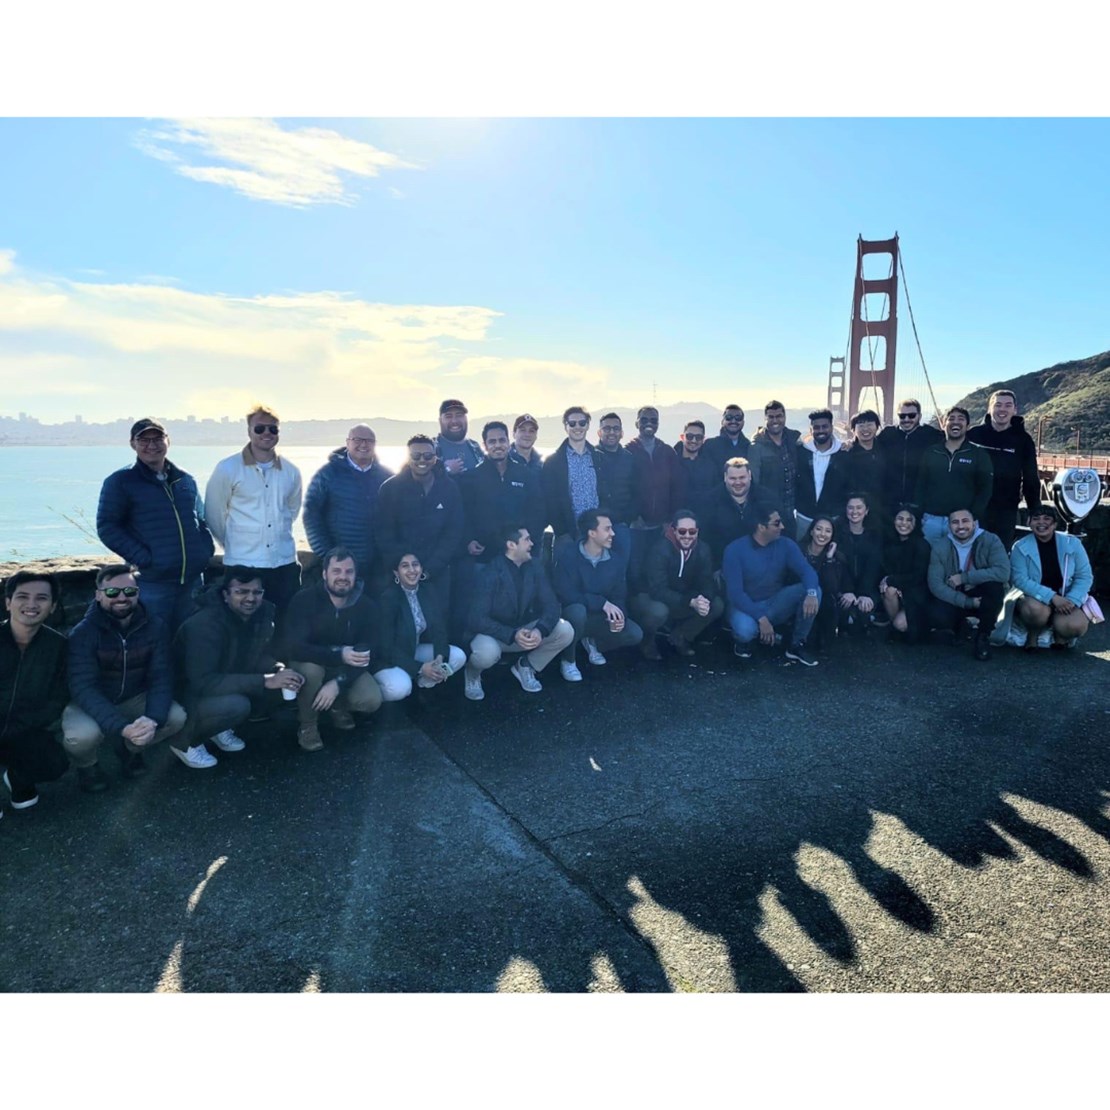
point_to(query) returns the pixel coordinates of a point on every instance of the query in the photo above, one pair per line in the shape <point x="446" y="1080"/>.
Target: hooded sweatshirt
<point x="822" y="477"/>
<point x="1014" y="455"/>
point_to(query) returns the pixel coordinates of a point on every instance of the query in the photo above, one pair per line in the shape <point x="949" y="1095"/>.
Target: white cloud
<point x="263" y="161"/>
<point x="7" y="261"/>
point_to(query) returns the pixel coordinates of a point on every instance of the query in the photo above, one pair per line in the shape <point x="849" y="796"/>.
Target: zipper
<point x="15" y="690"/>
<point x="180" y="530"/>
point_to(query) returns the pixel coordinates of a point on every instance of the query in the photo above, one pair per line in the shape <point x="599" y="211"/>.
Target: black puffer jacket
<point x="673" y="583"/>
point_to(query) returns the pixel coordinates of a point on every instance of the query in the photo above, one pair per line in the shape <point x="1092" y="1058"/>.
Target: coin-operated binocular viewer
<point x="1075" y="490"/>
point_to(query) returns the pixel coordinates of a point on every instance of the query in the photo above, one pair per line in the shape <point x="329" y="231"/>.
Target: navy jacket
<point x="109" y="664"/>
<point x="506" y="600"/>
<point x="492" y="501"/>
<point x="427" y="525"/>
<point x="156" y="526"/>
<point x="339" y="508"/>
<point x="579" y="582"/>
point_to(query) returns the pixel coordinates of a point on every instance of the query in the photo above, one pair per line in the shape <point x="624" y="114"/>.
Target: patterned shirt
<point x="582" y="479"/>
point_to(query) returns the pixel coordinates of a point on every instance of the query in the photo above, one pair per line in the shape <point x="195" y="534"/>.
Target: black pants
<point x="32" y="756"/>
<point x="1002" y="522"/>
<point x="944" y="615"/>
<point x="280" y="583"/>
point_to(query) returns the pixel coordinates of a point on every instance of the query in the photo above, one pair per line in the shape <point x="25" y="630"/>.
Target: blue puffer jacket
<point x="156" y="526"/>
<point x="108" y="664"/>
<point x="339" y="508"/>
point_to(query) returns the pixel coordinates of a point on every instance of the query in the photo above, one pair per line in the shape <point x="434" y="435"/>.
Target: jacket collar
<point x="249" y="459"/>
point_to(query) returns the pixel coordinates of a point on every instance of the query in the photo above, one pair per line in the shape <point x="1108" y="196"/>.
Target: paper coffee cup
<point x="288" y="694"/>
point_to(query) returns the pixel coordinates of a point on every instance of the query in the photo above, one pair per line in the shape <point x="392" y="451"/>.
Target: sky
<point x="357" y="265"/>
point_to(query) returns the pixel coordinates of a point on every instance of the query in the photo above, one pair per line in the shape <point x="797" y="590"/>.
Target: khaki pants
<point x="485" y="650"/>
<point x="81" y="735"/>
<point x="363" y="695"/>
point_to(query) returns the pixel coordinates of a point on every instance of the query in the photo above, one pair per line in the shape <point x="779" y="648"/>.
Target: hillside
<point x="1068" y="395"/>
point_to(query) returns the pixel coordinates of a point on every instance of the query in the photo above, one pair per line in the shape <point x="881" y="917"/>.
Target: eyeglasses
<point x="685" y="531"/>
<point x="358" y="441"/>
<point x="156" y="438"/>
<point x="907" y="416"/>
<point x="422" y="456"/>
<point x="693" y="437"/>
<point x="578" y="423"/>
<point x="260" y="428"/>
<point x="610" y="428"/>
<point x="115" y="591"/>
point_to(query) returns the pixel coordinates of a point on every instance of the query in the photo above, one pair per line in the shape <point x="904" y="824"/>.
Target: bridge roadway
<point x="895" y="820"/>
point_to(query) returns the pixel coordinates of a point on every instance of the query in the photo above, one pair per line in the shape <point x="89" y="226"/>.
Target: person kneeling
<point x="328" y="630"/>
<point x="1051" y="576"/>
<point x="678" y="572"/>
<point x="413" y="635"/>
<point x="514" y="609"/>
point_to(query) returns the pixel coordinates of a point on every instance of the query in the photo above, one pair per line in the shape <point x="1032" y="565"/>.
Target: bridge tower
<point x="863" y="377"/>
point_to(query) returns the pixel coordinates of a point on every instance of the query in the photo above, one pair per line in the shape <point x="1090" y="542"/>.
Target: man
<point x="952" y="475"/>
<point x="774" y="461"/>
<point x="662" y="487"/>
<point x="866" y="465"/>
<point x="32" y="687"/>
<point x="420" y="512"/>
<point x="328" y="634"/>
<point x="678" y="587"/>
<point x="514" y="609"/>
<point x="341" y="504"/>
<point x="120" y="681"/>
<point x="822" y="470"/>
<point x="730" y="442"/>
<point x="620" y="472"/>
<point x="525" y="429"/>
<point x="769" y="585"/>
<point x="591" y="581"/>
<point x="148" y="516"/>
<point x="1051" y="576"/>
<point x="968" y="574"/>
<point x="573" y="480"/>
<point x="701" y="472"/>
<point x="225" y="666"/>
<point x="1014" y="456"/>
<point x="901" y="448"/>
<point x="453" y="449"/>
<point x="250" y="503"/>
<point x="730" y="511"/>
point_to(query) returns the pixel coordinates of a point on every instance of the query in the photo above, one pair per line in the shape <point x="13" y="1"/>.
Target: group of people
<point x="790" y="540"/>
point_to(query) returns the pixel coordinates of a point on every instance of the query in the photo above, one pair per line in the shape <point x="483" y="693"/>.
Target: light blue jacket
<point x="1025" y="568"/>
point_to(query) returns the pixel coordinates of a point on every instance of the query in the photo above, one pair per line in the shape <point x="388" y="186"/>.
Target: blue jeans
<point x="168" y="601"/>
<point x="784" y="607"/>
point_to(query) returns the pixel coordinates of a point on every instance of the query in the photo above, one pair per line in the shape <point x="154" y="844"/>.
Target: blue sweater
<point x="754" y="574"/>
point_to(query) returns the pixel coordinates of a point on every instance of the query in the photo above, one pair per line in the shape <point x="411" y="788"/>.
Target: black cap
<point x="145" y="425"/>
<point x="449" y="404"/>
<point x="526" y="418"/>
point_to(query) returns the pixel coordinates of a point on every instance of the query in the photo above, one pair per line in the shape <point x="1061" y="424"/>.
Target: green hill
<point x="1067" y="396"/>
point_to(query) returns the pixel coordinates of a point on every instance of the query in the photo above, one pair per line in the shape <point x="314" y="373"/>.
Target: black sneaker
<point x="23" y="797"/>
<point x="92" y="780"/>
<point x="742" y="651"/>
<point x="132" y="765"/>
<point x="798" y="654"/>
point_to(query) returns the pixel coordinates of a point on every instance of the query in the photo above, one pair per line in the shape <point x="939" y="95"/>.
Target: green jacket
<point x="950" y="480"/>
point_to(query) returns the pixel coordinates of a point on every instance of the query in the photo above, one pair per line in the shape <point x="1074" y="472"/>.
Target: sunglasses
<point x="907" y="416"/>
<point x="685" y="531"/>
<point x="422" y="456"/>
<point x="693" y="437"/>
<point x="578" y="423"/>
<point x="115" y="591"/>
<point x="733" y="419"/>
<point x="260" y="428"/>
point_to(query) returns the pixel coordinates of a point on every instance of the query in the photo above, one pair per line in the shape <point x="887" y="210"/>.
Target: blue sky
<point x="370" y="267"/>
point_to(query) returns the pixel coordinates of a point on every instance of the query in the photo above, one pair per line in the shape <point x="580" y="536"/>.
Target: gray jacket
<point x="989" y="563"/>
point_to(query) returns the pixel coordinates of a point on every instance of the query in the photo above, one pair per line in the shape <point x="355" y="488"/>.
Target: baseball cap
<point x="449" y="404"/>
<point x="145" y="425"/>
<point x="526" y="418"/>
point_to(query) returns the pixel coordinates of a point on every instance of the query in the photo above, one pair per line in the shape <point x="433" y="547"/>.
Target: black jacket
<point x="33" y="690"/>
<point x="492" y="501"/>
<point x="723" y="521"/>
<point x="397" y="639"/>
<point x="427" y="525"/>
<point x="905" y="564"/>
<point x="862" y="561"/>
<point x="834" y="491"/>
<point x="1014" y="455"/>
<point x="703" y="476"/>
<point x="340" y="508"/>
<point x="902" y="453"/>
<point x="672" y="583"/>
<point x="315" y="631"/>
<point x="720" y="449"/>
<point x="109" y="664"/>
<point x="621" y="481"/>
<point x="775" y="469"/>
<point x="506" y="599"/>
<point x="556" y="489"/>
<point x="866" y="473"/>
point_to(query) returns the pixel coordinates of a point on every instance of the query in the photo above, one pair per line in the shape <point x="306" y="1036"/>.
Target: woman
<point x="679" y="588"/>
<point x="413" y="634"/>
<point x="862" y="551"/>
<point x="820" y="551"/>
<point x="904" y="587"/>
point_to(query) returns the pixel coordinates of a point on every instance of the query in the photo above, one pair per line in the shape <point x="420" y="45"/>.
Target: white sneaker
<point x="473" y="689"/>
<point x="596" y="657"/>
<point x="524" y="674"/>
<point x="196" y="757"/>
<point x="570" y="671"/>
<point x="227" y="741"/>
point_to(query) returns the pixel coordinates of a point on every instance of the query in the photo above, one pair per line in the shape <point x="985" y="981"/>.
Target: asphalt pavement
<point x="895" y="819"/>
